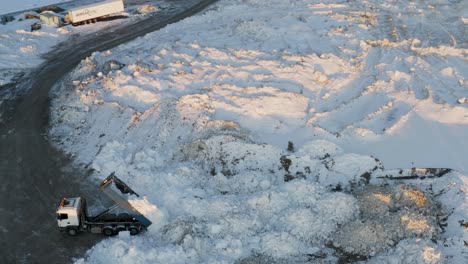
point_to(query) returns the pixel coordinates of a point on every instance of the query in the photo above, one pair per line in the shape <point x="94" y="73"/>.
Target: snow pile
<point x="238" y="133"/>
<point x="201" y="224"/>
<point x="412" y="251"/>
<point x="328" y="72"/>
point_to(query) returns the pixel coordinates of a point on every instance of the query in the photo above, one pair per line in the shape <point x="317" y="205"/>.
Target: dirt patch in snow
<point x="389" y="214"/>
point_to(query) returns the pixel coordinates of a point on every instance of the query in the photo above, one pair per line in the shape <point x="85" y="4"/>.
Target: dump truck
<point x="73" y="217"/>
<point x="94" y="12"/>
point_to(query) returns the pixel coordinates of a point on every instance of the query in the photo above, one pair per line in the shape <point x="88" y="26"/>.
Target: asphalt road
<point x="34" y="175"/>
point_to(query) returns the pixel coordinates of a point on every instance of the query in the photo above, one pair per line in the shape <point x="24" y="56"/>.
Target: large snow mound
<point x="236" y="125"/>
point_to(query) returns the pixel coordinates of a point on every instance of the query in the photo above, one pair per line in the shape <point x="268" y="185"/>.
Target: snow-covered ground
<point x="21" y="49"/>
<point x="262" y="131"/>
<point x="17" y="5"/>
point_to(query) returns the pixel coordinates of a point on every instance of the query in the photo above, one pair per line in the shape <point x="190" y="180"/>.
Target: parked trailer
<point x="73" y="217"/>
<point x="93" y="12"/>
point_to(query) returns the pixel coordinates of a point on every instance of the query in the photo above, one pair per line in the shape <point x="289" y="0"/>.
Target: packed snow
<point x="270" y="132"/>
<point x="21" y="48"/>
<point x="18" y="5"/>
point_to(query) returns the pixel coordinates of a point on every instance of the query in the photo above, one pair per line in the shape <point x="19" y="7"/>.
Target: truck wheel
<point x="72" y="231"/>
<point x="134" y="231"/>
<point x="107" y="231"/>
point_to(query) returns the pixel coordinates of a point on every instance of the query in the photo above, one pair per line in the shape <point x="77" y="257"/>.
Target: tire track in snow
<point x="385" y="118"/>
<point x="351" y="113"/>
<point x="394" y="59"/>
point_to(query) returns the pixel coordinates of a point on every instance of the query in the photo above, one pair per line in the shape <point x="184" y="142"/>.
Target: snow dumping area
<point x="263" y="135"/>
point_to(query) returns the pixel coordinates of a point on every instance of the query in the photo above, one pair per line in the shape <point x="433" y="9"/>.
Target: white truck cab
<point x="69" y="212"/>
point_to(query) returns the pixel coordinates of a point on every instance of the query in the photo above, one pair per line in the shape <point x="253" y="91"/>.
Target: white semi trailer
<point x="93" y="12"/>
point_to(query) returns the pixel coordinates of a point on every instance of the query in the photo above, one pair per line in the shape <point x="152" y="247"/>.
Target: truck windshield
<point x="62" y="216"/>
